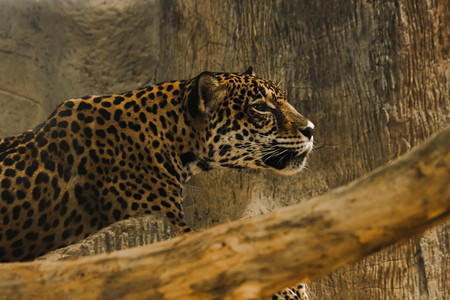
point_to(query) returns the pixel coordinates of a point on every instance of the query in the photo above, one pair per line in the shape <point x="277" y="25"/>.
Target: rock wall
<point x="372" y="75"/>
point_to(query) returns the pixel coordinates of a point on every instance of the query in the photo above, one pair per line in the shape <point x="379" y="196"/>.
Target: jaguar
<point x="100" y="159"/>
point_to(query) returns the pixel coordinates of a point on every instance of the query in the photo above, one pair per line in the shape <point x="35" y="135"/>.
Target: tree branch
<point x="258" y="256"/>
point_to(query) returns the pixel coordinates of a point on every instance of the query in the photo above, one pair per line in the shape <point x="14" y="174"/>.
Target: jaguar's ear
<point x="250" y="71"/>
<point x="206" y="93"/>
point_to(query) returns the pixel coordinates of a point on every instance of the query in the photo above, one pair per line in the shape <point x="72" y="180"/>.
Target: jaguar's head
<point x="246" y="122"/>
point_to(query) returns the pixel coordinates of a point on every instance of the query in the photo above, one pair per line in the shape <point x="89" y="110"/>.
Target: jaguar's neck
<point x="168" y="123"/>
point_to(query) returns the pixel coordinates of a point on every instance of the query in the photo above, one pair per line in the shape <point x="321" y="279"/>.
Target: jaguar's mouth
<point x="286" y="160"/>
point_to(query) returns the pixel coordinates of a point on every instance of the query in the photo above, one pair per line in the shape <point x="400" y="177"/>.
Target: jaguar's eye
<point x="261" y="107"/>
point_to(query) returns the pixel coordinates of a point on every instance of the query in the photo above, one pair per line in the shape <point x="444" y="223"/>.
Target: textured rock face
<point x="373" y="77"/>
<point x="121" y="235"/>
<point x="51" y="51"/>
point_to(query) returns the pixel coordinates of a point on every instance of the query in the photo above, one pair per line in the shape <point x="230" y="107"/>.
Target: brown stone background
<point x="372" y="75"/>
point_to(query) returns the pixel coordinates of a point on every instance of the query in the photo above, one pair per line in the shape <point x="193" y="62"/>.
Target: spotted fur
<point x="294" y="293"/>
<point x="100" y="159"/>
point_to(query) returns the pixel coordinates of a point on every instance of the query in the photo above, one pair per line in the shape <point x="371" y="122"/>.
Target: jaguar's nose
<point x="308" y="130"/>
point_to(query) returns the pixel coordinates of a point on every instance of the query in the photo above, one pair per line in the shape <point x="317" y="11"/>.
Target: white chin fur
<point x="292" y="169"/>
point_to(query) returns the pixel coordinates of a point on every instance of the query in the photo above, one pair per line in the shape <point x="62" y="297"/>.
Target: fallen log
<point x="253" y="258"/>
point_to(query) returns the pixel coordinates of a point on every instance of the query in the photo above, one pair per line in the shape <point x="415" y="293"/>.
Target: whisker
<point x="280" y="83"/>
<point x="259" y="92"/>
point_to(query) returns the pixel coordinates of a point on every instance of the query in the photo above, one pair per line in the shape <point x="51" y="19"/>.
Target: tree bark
<point x="254" y="258"/>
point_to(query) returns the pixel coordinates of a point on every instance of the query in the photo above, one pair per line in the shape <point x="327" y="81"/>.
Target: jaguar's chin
<point x="287" y="161"/>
